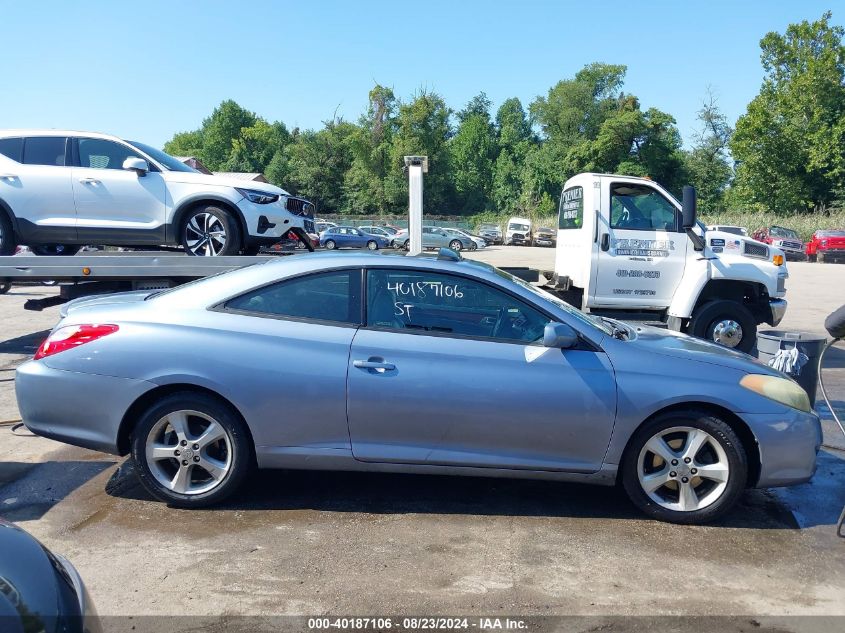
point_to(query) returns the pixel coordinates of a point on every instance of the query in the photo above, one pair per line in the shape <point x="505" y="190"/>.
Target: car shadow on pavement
<point x="29" y="490"/>
<point x="26" y="344"/>
<point x="387" y="493"/>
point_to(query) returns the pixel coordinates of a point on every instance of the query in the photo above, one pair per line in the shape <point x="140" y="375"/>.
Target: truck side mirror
<point x="688" y="206"/>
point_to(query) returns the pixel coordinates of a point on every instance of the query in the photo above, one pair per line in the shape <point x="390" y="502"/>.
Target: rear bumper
<point x="80" y="409"/>
<point x="788" y="445"/>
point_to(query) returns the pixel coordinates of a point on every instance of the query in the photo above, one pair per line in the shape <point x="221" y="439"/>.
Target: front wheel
<point x="407" y="245"/>
<point x="5" y="286"/>
<point x="54" y="249"/>
<point x="372" y="245"/>
<point x="727" y="323"/>
<point x="456" y="245"/>
<point x="191" y="449"/>
<point x="7" y="236"/>
<point x="210" y="231"/>
<point x="331" y="245"/>
<point x="684" y="466"/>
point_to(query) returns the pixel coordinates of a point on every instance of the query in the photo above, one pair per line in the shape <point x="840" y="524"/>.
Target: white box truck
<point x="627" y="249"/>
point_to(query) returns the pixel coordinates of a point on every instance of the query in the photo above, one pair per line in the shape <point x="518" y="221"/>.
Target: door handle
<point x="605" y="241"/>
<point x="372" y="364"/>
<point x="89" y="181"/>
<point x="8" y="176"/>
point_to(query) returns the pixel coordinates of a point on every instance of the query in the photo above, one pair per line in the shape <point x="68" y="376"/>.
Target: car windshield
<point x="518" y="227"/>
<point x="165" y="160"/>
<point x="546" y="231"/>
<point x="779" y="231"/>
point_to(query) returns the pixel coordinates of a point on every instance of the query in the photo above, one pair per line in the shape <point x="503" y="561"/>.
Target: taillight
<point x="72" y="336"/>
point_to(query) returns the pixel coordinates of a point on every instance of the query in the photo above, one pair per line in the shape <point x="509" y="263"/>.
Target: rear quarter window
<point x="12" y="148"/>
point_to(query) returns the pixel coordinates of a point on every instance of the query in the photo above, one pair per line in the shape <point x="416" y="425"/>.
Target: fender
<point x="172" y="231"/>
<point x="5" y="208"/>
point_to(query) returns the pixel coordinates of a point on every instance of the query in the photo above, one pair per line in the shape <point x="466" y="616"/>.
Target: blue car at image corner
<point x="351" y="237"/>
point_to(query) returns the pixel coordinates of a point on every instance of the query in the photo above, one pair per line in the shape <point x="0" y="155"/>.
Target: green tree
<point x="371" y="149"/>
<point x="254" y="149"/>
<point x="220" y="130"/>
<point x="185" y="144"/>
<point x="708" y="163"/>
<point x="789" y="146"/>
<point x="515" y="140"/>
<point x="473" y="150"/>
<point x="422" y="129"/>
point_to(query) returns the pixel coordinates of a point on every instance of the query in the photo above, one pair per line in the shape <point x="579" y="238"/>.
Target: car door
<point x="448" y="371"/>
<point x="115" y="205"/>
<point x="643" y="249"/>
<point x="292" y="339"/>
<point x="35" y="182"/>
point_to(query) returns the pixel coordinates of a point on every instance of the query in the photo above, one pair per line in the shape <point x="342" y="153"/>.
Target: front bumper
<point x="794" y="256"/>
<point x="80" y="409"/>
<point x="831" y="255"/>
<point x="778" y="308"/>
<point x="267" y="223"/>
<point x="788" y="445"/>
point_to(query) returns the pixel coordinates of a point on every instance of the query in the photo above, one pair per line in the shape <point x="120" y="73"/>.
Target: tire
<point x="54" y="250"/>
<point x="5" y="286"/>
<point x="331" y="245"/>
<point x="231" y="454"/>
<point x="407" y="245"/>
<point x="7" y="236"/>
<point x="255" y="249"/>
<point x="715" y="321"/>
<point x="210" y="231"/>
<point x="372" y="245"/>
<point x="456" y="245"/>
<point x="721" y="453"/>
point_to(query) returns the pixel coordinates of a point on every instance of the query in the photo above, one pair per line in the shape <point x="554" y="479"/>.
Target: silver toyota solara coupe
<point x="427" y="364"/>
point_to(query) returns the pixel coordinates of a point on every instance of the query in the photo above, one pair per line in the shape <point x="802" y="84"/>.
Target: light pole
<point x="416" y="166"/>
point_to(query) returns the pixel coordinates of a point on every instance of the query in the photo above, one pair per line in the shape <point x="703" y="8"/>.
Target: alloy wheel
<point x="189" y="452"/>
<point x="205" y="234"/>
<point x="372" y="245"/>
<point x="683" y="469"/>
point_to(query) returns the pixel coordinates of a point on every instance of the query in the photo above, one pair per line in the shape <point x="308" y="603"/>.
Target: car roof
<point x="50" y="132"/>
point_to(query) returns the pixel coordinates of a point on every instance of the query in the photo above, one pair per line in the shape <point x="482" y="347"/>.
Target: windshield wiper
<point x="615" y="330"/>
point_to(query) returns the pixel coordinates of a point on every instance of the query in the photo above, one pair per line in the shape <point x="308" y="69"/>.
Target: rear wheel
<point x="407" y="245"/>
<point x="210" y="231"/>
<point x="192" y="450"/>
<point x="7" y="236"/>
<point x="684" y="466"/>
<point x="55" y="249"/>
<point x="727" y="323"/>
<point x="331" y="245"/>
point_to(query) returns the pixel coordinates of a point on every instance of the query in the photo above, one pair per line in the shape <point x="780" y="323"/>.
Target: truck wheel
<point x="7" y="236"/>
<point x="727" y="323"/>
<point x="210" y="231"/>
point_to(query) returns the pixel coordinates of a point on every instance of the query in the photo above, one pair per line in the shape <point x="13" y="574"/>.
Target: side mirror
<point x="688" y="206"/>
<point x="138" y="165"/>
<point x="559" y="335"/>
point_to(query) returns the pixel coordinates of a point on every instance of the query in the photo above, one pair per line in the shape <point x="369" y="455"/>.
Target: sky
<point x="146" y="70"/>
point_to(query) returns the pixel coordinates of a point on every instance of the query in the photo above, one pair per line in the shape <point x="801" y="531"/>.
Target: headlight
<point x="783" y="390"/>
<point x="258" y="197"/>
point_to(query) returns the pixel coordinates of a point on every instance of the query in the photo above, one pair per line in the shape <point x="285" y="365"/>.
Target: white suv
<point x="61" y="190"/>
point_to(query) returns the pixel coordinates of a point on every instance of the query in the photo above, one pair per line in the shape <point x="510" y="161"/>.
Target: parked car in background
<point x="726" y="228"/>
<point x="519" y="232"/>
<point x="459" y="368"/>
<point x="351" y="237"/>
<point x="491" y="233"/>
<point x="379" y="230"/>
<point x="40" y="590"/>
<point x="322" y="225"/>
<point x="545" y="237"/>
<point x="783" y="238"/>
<point x="62" y="190"/>
<point x="435" y="237"/>
<point x="826" y="246"/>
<point x="476" y="240"/>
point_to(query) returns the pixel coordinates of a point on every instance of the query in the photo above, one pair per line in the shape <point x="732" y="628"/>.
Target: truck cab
<point x="518" y="231"/>
<point x="627" y="248"/>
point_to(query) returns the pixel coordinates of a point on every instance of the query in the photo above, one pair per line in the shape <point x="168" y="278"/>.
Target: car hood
<point x="101" y="300"/>
<point x="221" y="181"/>
<point x="677" y="345"/>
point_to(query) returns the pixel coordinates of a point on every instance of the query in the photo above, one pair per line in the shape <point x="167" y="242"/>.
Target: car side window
<point x="12" y="148"/>
<point x="641" y="208"/>
<point x="420" y="301"/>
<point x="98" y="153"/>
<point x="44" y="150"/>
<point x="331" y="296"/>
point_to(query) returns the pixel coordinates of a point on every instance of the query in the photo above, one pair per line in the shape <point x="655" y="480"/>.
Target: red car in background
<point x="826" y="246"/>
<point x="783" y="238"/>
